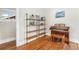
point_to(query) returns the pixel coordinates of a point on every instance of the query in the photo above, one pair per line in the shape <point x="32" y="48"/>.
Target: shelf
<point x="30" y="25"/>
<point x="31" y="37"/>
<point x="35" y="19"/>
<point x="32" y="19"/>
<point x="28" y="38"/>
<point x="41" y="33"/>
<point x="36" y="30"/>
<point x="41" y="24"/>
<point x="12" y="17"/>
<point x="35" y="25"/>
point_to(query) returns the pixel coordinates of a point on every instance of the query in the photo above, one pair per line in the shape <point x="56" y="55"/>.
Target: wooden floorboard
<point x="44" y="43"/>
<point x="8" y="45"/>
<point x="41" y="43"/>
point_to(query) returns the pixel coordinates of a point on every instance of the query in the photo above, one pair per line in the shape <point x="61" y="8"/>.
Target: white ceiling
<point x="7" y="11"/>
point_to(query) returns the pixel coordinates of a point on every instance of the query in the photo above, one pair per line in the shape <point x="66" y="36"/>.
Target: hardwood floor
<point x="42" y="43"/>
<point x="8" y="46"/>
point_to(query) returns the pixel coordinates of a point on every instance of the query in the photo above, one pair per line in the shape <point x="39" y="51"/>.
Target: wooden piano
<point x="60" y="29"/>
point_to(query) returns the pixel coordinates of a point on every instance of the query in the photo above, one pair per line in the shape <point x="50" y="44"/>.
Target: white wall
<point x="74" y="25"/>
<point x="20" y="27"/>
<point x="7" y="31"/>
<point x="71" y="19"/>
<point x="21" y="22"/>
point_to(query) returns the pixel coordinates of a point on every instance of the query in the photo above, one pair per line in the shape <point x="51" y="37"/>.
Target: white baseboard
<point x="20" y="43"/>
<point x="34" y="38"/>
<point x="75" y="40"/>
<point x="48" y="34"/>
<point x="7" y="40"/>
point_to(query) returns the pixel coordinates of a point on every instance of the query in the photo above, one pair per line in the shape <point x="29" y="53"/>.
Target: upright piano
<point x="60" y="30"/>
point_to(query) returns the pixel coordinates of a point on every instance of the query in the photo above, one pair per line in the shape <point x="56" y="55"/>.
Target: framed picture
<point x="60" y="14"/>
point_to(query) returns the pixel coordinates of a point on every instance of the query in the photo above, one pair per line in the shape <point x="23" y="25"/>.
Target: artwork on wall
<point x="60" y="14"/>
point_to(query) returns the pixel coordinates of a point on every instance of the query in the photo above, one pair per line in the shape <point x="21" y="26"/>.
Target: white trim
<point x="7" y="40"/>
<point x="34" y="38"/>
<point x="21" y="43"/>
<point x="48" y="34"/>
<point x="9" y="20"/>
<point x="74" y="40"/>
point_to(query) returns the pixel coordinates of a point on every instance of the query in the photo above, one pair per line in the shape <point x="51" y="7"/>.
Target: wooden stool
<point x="58" y="40"/>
